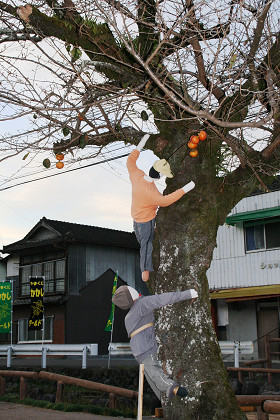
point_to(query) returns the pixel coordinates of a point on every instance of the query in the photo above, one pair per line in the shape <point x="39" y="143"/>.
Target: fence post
<point x="84" y="363"/>
<point x="267" y="350"/>
<point x="2" y="385"/>
<point x="44" y="357"/>
<point x="59" y="392"/>
<point x="268" y="357"/>
<point x="9" y="356"/>
<point x="240" y="377"/>
<point x="22" y="388"/>
<point x="112" y="401"/>
<point x="140" y="391"/>
<point x="261" y="415"/>
<point x="236" y="354"/>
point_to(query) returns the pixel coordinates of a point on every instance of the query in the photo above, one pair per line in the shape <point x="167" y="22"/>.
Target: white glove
<point x="188" y="187"/>
<point x="142" y="142"/>
<point x="193" y="293"/>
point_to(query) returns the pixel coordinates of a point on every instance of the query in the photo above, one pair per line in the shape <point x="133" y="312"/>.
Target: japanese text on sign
<point x="5" y="307"/>
<point x="37" y="307"/>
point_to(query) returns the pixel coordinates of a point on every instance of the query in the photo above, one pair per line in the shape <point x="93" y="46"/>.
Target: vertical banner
<point x="5" y="307"/>
<point x="111" y="317"/>
<point x="37" y="307"/>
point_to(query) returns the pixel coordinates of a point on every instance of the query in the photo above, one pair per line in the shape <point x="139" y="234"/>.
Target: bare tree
<point x="84" y="74"/>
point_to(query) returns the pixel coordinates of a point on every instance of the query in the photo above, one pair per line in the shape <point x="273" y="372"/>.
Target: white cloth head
<point x="133" y="292"/>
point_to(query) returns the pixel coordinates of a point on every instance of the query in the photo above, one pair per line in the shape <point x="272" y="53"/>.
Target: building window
<point x="51" y="266"/>
<point x="25" y="336"/>
<point x="262" y="235"/>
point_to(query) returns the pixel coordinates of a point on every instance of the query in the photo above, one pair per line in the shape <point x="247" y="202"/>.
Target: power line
<point x="12" y="178"/>
<point x="69" y="170"/>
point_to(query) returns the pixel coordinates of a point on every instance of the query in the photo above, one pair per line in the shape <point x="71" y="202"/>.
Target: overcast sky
<point x="98" y="196"/>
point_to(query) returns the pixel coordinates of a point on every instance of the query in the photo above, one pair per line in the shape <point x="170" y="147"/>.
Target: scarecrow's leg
<point x="145" y="234"/>
<point x="157" y="379"/>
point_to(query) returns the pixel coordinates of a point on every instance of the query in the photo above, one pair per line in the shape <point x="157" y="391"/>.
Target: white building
<point x="244" y="276"/>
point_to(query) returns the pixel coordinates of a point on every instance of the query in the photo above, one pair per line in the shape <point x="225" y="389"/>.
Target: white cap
<point x="133" y="292"/>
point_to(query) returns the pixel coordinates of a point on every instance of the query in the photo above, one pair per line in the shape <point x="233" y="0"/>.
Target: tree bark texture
<point x="185" y="238"/>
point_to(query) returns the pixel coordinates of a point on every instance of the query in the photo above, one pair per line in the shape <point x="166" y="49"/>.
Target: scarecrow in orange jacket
<point x="145" y="201"/>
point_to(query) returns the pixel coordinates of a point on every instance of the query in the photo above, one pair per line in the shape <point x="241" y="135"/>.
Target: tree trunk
<point x="185" y="238"/>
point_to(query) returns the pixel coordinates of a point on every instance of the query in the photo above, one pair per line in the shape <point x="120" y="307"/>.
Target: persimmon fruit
<point x="194" y="139"/>
<point x="192" y="145"/>
<point x="202" y="135"/>
<point x="194" y="153"/>
<point x="59" y="165"/>
<point x="59" y="156"/>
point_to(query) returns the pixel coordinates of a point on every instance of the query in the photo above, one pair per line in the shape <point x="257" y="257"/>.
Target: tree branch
<point x="121" y="8"/>
<point x="97" y="41"/>
<point x="268" y="151"/>
<point x="275" y="143"/>
<point x="147" y="36"/>
<point x="200" y="113"/>
<point x="8" y="9"/>
<point x="217" y="92"/>
<point x="255" y="44"/>
<point x="12" y="37"/>
<point x="126" y="135"/>
<point x="244" y="96"/>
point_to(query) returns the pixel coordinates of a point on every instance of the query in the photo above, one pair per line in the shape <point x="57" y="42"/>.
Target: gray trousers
<point x="144" y="233"/>
<point x="156" y="378"/>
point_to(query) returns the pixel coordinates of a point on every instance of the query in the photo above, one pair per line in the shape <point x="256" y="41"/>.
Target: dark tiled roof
<point x="74" y="232"/>
<point x="94" y="234"/>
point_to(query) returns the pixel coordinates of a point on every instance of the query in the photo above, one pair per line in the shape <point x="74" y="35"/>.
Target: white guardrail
<point x="45" y="350"/>
<point x="236" y="348"/>
<point x="119" y="349"/>
<point x="227" y="348"/>
<point x="115" y="349"/>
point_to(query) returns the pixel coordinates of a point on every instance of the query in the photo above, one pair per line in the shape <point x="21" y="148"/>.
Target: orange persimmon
<point x="194" y="139"/>
<point x="202" y="135"/>
<point x="192" y="145"/>
<point x="194" y="153"/>
<point x="59" y="165"/>
<point x="59" y="156"/>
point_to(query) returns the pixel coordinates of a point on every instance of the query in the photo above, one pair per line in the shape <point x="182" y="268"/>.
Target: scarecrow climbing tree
<point x="182" y="67"/>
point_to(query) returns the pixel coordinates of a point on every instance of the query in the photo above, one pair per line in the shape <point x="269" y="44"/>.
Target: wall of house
<point x="3" y="271"/>
<point x="12" y="266"/>
<point x="42" y="233"/>
<point x="58" y="312"/>
<point x="237" y="321"/>
<point x="76" y="269"/>
<point x="86" y="262"/>
<point x="23" y="311"/>
<point x="122" y="260"/>
<point x="250" y="320"/>
<point x="88" y="313"/>
<point x="231" y="267"/>
<point x="243" y="324"/>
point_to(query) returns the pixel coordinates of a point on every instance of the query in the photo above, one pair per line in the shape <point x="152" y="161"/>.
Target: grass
<point x="67" y="407"/>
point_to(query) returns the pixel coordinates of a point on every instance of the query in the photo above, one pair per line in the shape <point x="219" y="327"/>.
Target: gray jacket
<point x="141" y="313"/>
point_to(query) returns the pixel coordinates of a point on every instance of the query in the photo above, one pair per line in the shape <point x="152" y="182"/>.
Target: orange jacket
<point x="146" y="198"/>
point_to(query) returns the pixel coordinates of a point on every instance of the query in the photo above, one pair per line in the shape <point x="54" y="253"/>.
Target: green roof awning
<point x="253" y="215"/>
